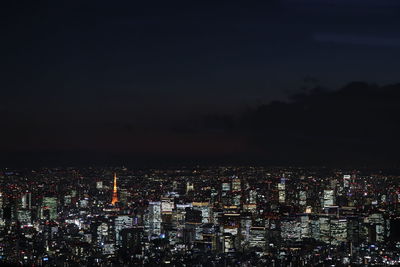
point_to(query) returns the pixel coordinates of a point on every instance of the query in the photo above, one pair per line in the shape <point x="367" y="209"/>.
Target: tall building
<point x="120" y="223"/>
<point x="153" y="219"/>
<point x="189" y="187"/>
<point x="303" y="198"/>
<point x="236" y="184"/>
<point x="132" y="241"/>
<point x="328" y="198"/>
<point x="115" y="191"/>
<point x="49" y="208"/>
<point x="99" y="185"/>
<point x="1" y="208"/>
<point x="282" y="191"/>
<point x="205" y="210"/>
<point x="291" y="229"/>
<point x="346" y="181"/>
<point x="257" y="237"/>
<point x="26" y="201"/>
<point x="167" y="205"/>
<point x="24" y="216"/>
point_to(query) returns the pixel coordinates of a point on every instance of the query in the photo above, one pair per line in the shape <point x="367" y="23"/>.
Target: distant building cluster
<point x="214" y="216"/>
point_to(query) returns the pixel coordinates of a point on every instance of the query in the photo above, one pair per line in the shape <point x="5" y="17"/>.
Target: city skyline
<point x="200" y="133"/>
<point x="222" y="215"/>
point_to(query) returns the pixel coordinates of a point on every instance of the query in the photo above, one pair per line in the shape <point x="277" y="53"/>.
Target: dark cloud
<point x="357" y="124"/>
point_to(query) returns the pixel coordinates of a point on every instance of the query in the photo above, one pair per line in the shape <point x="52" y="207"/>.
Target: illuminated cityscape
<point x="212" y="216"/>
<point x="200" y="133"/>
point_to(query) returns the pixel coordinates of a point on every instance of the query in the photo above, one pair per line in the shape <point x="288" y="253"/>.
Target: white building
<point x="328" y="198"/>
<point x="121" y="222"/>
<point x="153" y="219"/>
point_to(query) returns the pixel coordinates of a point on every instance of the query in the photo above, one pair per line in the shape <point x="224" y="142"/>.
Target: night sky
<point x="205" y="81"/>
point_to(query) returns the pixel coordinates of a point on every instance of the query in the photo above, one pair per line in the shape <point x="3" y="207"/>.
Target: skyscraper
<point x="115" y="191"/>
<point x="49" y="208"/>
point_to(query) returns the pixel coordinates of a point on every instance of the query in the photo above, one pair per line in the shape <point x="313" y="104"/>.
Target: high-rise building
<point x="329" y="198"/>
<point x="291" y="229"/>
<point x="1" y="207"/>
<point x="24" y="216"/>
<point x="226" y="187"/>
<point x="205" y="210"/>
<point x="123" y="195"/>
<point x="153" y="219"/>
<point x="252" y="199"/>
<point x="257" y="237"/>
<point x="167" y="205"/>
<point x="26" y="200"/>
<point x="305" y="226"/>
<point x="189" y="187"/>
<point x="338" y="231"/>
<point x="302" y="198"/>
<point x="120" y="223"/>
<point x="236" y="184"/>
<point x="49" y="208"/>
<point x="376" y="227"/>
<point x="132" y="241"/>
<point x="99" y="185"/>
<point x="346" y="181"/>
<point x="282" y="191"/>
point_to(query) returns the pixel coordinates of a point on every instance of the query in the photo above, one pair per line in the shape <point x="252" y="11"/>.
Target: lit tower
<point x="115" y="191"/>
